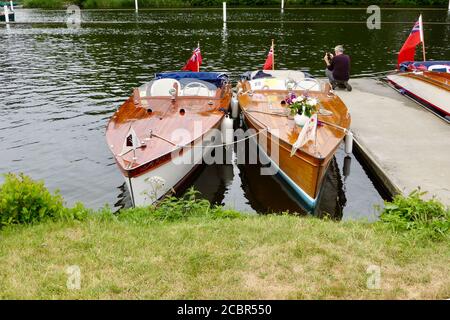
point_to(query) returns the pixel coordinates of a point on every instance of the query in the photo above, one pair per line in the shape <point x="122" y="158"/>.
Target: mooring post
<point x="224" y="12"/>
<point x="5" y="9"/>
<point x="136" y="5"/>
<point x="282" y="5"/>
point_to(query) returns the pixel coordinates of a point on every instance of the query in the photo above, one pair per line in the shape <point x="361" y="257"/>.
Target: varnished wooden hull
<point x="163" y="157"/>
<point x="429" y="89"/>
<point x="303" y="173"/>
<point x="173" y="171"/>
<point x="305" y="170"/>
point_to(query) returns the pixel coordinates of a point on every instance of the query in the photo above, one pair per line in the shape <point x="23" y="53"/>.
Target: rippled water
<point x="59" y="87"/>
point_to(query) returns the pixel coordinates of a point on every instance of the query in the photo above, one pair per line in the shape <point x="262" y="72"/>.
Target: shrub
<point x="24" y="201"/>
<point x="49" y="4"/>
<point x="424" y="218"/>
<point x="174" y="209"/>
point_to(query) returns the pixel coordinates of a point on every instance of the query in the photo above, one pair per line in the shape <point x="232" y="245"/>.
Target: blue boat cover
<point x="425" y="65"/>
<point x="215" y="78"/>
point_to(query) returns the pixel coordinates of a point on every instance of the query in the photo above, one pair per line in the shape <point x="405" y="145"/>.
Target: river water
<point x="60" y="85"/>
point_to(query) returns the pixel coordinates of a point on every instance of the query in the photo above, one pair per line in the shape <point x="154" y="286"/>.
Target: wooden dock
<point x="406" y="145"/>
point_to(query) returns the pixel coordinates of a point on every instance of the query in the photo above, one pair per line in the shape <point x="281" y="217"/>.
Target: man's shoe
<point x="348" y="86"/>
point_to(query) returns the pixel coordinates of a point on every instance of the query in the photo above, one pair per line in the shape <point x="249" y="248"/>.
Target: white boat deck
<point x="407" y="145"/>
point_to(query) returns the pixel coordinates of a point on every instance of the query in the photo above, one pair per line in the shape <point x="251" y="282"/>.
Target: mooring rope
<point x="225" y="144"/>
<point x="201" y="146"/>
<point x="269" y="113"/>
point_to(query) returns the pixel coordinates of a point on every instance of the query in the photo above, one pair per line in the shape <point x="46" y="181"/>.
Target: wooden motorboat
<point x="158" y="136"/>
<point x="428" y="83"/>
<point x="261" y="99"/>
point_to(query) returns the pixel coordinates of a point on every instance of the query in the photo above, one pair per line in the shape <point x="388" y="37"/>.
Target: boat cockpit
<point x="282" y="80"/>
<point x="184" y="84"/>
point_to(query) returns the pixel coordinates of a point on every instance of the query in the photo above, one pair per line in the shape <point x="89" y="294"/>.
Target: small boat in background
<point x="140" y="133"/>
<point x="262" y="99"/>
<point x="427" y="82"/>
<point x="7" y="14"/>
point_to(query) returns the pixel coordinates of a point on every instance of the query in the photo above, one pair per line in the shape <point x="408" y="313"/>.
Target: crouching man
<point x="338" y="68"/>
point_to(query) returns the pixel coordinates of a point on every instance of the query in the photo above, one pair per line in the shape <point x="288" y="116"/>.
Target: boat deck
<point x="264" y="106"/>
<point x="407" y="145"/>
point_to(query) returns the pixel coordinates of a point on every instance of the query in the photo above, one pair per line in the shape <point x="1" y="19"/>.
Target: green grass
<point x="185" y="248"/>
<point x="263" y="257"/>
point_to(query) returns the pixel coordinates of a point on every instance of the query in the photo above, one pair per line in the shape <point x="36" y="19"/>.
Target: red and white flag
<point x="193" y="64"/>
<point x="408" y="50"/>
<point x="268" y="65"/>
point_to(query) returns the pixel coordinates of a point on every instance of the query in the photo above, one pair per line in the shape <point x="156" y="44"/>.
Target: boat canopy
<point x="216" y="78"/>
<point x="436" y="66"/>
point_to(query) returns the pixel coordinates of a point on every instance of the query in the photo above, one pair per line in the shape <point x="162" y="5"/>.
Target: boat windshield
<point x="284" y="80"/>
<point x="186" y="87"/>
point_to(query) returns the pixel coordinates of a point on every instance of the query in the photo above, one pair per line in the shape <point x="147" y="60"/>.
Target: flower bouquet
<point x="301" y="107"/>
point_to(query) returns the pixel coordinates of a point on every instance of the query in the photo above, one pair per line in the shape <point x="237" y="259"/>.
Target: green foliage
<point x="48" y="4"/>
<point x="121" y="4"/>
<point x="424" y="219"/>
<point x="174" y="209"/>
<point x="24" y="201"/>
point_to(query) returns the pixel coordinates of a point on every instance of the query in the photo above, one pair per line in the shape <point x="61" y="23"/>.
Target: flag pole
<point x="273" y="55"/>
<point x="196" y="57"/>
<point x="422" y="38"/>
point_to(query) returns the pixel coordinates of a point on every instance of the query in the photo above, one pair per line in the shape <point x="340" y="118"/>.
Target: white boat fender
<point x="348" y="142"/>
<point x="234" y="107"/>
<point x="227" y="129"/>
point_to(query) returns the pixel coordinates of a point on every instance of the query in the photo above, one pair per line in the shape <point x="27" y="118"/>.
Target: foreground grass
<point x="263" y="257"/>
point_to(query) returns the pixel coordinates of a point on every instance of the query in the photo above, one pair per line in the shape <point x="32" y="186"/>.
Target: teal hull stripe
<point x="310" y="202"/>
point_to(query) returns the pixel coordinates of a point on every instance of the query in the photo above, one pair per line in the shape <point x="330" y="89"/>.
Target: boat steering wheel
<point x="290" y="84"/>
<point x="197" y="85"/>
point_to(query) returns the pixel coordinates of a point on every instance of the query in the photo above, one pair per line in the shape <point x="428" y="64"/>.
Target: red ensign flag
<point x="193" y="64"/>
<point x="408" y="50"/>
<point x="269" y="61"/>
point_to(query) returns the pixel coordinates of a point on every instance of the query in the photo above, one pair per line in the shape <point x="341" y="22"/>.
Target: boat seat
<point x="144" y="90"/>
<point x="161" y="87"/>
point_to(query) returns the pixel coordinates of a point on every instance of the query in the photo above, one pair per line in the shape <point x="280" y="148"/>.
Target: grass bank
<point x="123" y="4"/>
<point x="187" y="249"/>
<point x="267" y="257"/>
